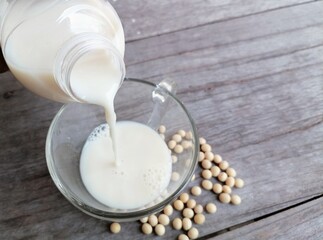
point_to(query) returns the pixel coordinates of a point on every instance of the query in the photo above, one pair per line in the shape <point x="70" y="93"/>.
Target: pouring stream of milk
<point x="101" y="67"/>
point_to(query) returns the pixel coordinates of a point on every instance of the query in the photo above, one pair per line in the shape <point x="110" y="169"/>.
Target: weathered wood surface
<point x="251" y="75"/>
<point x="303" y="222"/>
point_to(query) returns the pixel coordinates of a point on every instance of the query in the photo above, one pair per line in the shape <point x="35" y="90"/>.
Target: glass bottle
<point x="43" y="40"/>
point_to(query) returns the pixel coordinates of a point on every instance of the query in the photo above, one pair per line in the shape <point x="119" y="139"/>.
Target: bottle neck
<point x="74" y="50"/>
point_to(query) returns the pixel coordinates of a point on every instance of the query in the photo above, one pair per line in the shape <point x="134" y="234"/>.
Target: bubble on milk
<point x="98" y="132"/>
<point x="154" y="179"/>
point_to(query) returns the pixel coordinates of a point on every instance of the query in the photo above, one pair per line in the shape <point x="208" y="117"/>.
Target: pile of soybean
<point x="211" y="166"/>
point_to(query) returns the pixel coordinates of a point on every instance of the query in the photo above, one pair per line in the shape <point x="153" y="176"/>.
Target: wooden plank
<point x="144" y="19"/>
<point x="302" y="222"/>
<point x="256" y="96"/>
<point x="229" y="59"/>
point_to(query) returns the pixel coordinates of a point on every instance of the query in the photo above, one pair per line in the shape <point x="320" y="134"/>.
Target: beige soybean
<point x="206" y="147"/>
<point x="231" y="172"/>
<point x="206" y="174"/>
<point x="177" y="138"/>
<point x="210" y="208"/>
<point x="187" y="223"/>
<point x="230" y="181"/>
<point x="224" y="198"/>
<point x="182" y="133"/>
<point x="175" y="176"/>
<point x="163" y="219"/>
<point x="191" y="203"/>
<point x="217" y="158"/>
<point x="182" y="237"/>
<point x="188" y="213"/>
<point x="226" y="189"/>
<point x="198" y="208"/>
<point x="199" y="218"/>
<point x="193" y="233"/>
<point x="239" y="183"/>
<point x="189" y="135"/>
<point x="206" y="164"/>
<point x="178" y="148"/>
<point x="193" y="178"/>
<point x="217" y="188"/>
<point x="168" y="210"/>
<point x="209" y="156"/>
<point x="223" y="165"/>
<point x="202" y="141"/>
<point x="144" y="220"/>
<point x="146" y="228"/>
<point x="186" y="144"/>
<point x="153" y="220"/>
<point x="162" y="129"/>
<point x="196" y="190"/>
<point x="177" y="223"/>
<point x="222" y="177"/>
<point x="178" y="205"/>
<point x="174" y="159"/>
<point x="184" y="197"/>
<point x="115" y="227"/>
<point x="207" y="184"/>
<point x="160" y="230"/>
<point x="235" y="199"/>
<point x="215" y="170"/>
<point x="171" y="144"/>
<point x="201" y="156"/>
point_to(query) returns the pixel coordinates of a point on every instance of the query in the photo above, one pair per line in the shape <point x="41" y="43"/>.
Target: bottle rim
<point x="73" y="50"/>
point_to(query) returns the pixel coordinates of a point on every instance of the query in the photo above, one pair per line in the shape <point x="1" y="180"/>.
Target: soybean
<point x="184" y="197"/>
<point x="178" y="205"/>
<point x="224" y="198"/>
<point x="207" y="184"/>
<point x="146" y="228"/>
<point x="160" y="230"/>
<point x="163" y="219"/>
<point x="199" y="218"/>
<point x="196" y="190"/>
<point x="187" y="224"/>
<point x="193" y="233"/>
<point x="235" y="200"/>
<point x="210" y="208"/>
<point x="239" y="183"/>
<point x="177" y="223"/>
<point x="115" y="227"/>
<point x="188" y="213"/>
<point x="206" y="174"/>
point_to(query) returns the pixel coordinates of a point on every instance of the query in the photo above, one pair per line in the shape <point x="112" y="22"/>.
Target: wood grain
<point x="251" y="75"/>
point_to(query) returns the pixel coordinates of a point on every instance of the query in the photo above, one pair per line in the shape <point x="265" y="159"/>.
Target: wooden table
<point x="251" y="74"/>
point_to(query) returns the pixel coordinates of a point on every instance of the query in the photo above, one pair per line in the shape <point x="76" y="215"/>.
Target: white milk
<point x="143" y="173"/>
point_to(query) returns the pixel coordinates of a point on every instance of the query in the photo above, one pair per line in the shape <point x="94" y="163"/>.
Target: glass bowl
<point x="138" y="101"/>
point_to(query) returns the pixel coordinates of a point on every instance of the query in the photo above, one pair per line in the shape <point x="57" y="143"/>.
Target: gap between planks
<point x="234" y="227"/>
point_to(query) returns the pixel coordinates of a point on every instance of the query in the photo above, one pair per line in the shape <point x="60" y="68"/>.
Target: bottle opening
<point x="89" y="68"/>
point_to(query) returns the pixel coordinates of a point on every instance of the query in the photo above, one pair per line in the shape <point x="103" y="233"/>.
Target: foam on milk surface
<point x="144" y="169"/>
